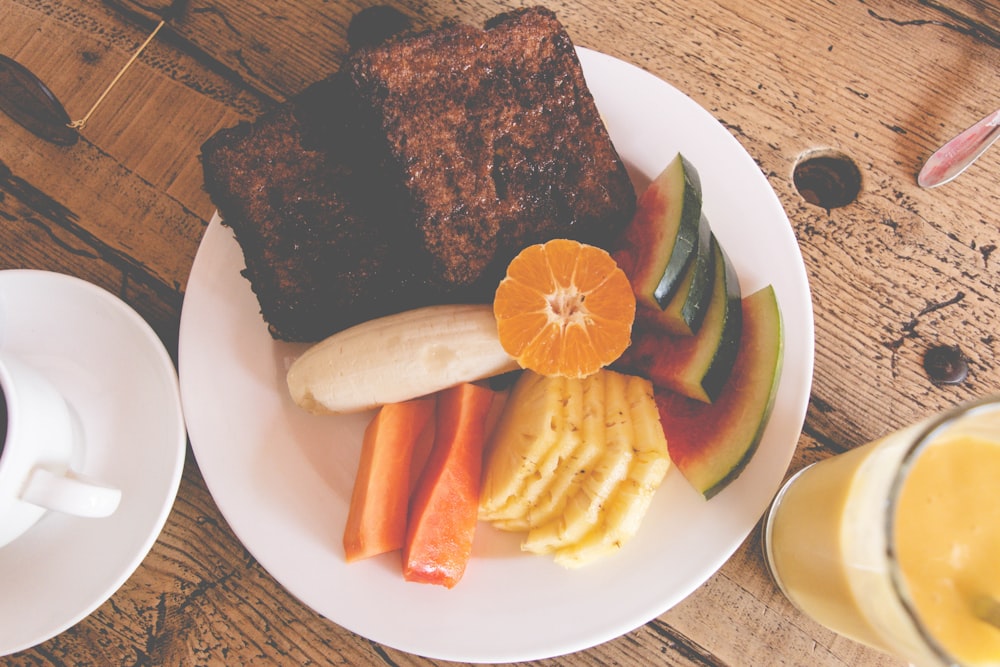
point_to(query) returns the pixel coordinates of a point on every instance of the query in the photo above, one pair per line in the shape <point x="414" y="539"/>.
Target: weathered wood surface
<point x="899" y="270"/>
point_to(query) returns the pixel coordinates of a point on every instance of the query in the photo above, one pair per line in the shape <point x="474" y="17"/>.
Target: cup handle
<point x="70" y="493"/>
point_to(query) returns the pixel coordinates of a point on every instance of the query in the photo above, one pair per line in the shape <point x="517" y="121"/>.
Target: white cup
<point x="39" y="441"/>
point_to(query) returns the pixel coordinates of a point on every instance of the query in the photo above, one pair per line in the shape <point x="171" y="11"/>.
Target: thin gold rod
<point x="79" y="124"/>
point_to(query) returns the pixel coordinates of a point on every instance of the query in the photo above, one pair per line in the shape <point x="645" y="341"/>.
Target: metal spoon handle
<point x="952" y="159"/>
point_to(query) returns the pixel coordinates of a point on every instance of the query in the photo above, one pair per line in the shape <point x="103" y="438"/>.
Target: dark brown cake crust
<point x="495" y="140"/>
<point x="318" y="254"/>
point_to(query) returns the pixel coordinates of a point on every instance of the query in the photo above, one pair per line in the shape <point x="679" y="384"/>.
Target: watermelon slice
<point x="654" y="250"/>
<point x="711" y="443"/>
<point x="696" y="366"/>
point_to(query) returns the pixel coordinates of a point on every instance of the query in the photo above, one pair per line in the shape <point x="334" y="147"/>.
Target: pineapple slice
<point x="569" y="475"/>
<point x="566" y="425"/>
<point x="575" y="463"/>
<point x="622" y="515"/>
<point x="625" y="509"/>
<point x="526" y="432"/>
<point x="583" y="509"/>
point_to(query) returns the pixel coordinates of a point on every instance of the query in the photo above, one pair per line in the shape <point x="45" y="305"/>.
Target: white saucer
<point x="117" y="376"/>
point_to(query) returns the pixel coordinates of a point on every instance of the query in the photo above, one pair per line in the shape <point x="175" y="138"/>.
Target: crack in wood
<point x="214" y="11"/>
<point x="986" y="251"/>
<point x="930" y="308"/>
<point x="42" y="207"/>
<point x="383" y="654"/>
<point x="909" y="328"/>
<point x="824" y="441"/>
<point x="962" y="24"/>
<point x="33" y="198"/>
<point x="683" y="645"/>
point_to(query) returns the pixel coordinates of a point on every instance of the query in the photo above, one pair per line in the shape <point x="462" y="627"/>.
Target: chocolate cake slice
<point x="494" y="140"/>
<point x="319" y="254"/>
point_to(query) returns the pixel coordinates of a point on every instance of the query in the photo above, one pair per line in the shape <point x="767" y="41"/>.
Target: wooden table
<point x="895" y="272"/>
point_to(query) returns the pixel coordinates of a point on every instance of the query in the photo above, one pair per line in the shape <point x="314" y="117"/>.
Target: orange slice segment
<point x="564" y="309"/>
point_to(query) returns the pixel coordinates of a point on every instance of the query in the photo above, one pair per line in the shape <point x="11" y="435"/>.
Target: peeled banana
<point x="397" y="358"/>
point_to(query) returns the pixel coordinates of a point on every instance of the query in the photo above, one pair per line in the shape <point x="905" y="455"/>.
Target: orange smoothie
<point x="948" y="544"/>
<point x="839" y="556"/>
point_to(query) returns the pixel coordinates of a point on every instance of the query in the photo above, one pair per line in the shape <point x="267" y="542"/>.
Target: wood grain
<point x="880" y="82"/>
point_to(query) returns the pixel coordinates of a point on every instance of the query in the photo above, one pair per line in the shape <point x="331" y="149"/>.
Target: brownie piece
<point x="494" y="141"/>
<point x="319" y="255"/>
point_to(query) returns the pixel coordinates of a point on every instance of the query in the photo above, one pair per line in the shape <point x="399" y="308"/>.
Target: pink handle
<point x="955" y="156"/>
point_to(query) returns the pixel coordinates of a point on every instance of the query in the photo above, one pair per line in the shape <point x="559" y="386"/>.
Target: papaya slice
<point x="442" y="520"/>
<point x="696" y="366"/>
<point x="657" y="245"/>
<point x="376" y="519"/>
<point x="712" y="443"/>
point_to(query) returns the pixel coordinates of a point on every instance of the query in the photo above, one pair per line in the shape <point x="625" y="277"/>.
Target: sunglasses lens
<point x="28" y="101"/>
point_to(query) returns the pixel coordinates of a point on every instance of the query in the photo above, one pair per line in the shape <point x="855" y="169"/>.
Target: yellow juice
<point x="896" y="544"/>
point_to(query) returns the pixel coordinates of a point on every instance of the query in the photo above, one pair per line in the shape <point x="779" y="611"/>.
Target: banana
<point x="397" y="358"/>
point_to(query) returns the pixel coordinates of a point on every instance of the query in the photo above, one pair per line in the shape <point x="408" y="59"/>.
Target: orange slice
<point x="564" y="309"/>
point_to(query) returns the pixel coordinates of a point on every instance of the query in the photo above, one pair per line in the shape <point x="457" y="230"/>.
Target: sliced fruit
<point x="565" y="424"/>
<point x="588" y="443"/>
<point x="397" y="358"/>
<point x="626" y="508"/>
<point x="599" y="477"/>
<point x="521" y="441"/>
<point x="695" y="366"/>
<point x="711" y="444"/>
<point x="659" y="242"/>
<point x="686" y="311"/>
<point x="421" y="451"/>
<point x="564" y="308"/>
<point x="583" y="510"/>
<point x="442" y="521"/>
<point x="376" y="520"/>
<point x="623" y="513"/>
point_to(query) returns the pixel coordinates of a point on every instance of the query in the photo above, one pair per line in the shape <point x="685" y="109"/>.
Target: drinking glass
<point x="896" y="544"/>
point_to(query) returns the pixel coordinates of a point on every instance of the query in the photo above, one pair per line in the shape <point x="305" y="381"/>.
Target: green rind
<point x="687" y="236"/>
<point x="659" y="242"/>
<point x="696" y="366"/>
<point x="711" y="444"/>
<point x="686" y="311"/>
<point x="721" y="365"/>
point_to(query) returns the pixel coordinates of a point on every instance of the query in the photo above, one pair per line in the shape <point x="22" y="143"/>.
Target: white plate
<point x="119" y="379"/>
<point x="283" y="478"/>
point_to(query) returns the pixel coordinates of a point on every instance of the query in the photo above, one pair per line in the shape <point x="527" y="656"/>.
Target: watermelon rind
<point x="657" y="245"/>
<point x="711" y="444"/>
